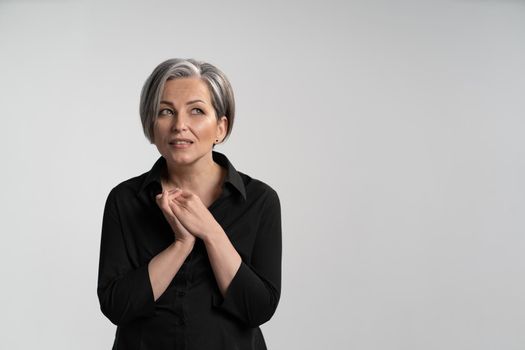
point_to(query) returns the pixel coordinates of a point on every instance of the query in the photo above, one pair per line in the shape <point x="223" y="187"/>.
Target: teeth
<point x="182" y="142"/>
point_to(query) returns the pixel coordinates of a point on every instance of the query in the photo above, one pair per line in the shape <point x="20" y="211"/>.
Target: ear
<point x="222" y="128"/>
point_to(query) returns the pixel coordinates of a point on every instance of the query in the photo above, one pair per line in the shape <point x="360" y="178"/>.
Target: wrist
<point x="213" y="235"/>
<point x="184" y="247"/>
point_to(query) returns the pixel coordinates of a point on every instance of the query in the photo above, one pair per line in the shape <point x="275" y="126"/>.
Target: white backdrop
<point x="392" y="130"/>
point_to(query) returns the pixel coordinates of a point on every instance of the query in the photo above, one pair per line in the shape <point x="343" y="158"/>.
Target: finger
<point x="174" y="206"/>
<point x="159" y="198"/>
<point x="179" y="208"/>
<point x="186" y="194"/>
<point x="177" y="221"/>
<point x="163" y="202"/>
<point x="174" y="193"/>
<point x="173" y="190"/>
<point x="180" y="202"/>
<point x="189" y="199"/>
<point x="165" y="198"/>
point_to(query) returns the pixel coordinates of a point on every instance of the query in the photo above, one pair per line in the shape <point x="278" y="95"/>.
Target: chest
<point x="146" y="232"/>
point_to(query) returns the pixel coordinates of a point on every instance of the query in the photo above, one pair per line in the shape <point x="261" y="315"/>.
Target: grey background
<point x="392" y="130"/>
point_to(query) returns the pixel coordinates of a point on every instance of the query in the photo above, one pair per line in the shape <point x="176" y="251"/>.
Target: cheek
<point x="160" y="127"/>
<point x="206" y="129"/>
<point x="159" y="132"/>
<point x="155" y="133"/>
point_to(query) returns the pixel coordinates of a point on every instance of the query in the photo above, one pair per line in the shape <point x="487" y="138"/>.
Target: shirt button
<point x="181" y="293"/>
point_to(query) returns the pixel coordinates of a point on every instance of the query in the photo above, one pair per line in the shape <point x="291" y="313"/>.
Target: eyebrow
<point x="188" y="103"/>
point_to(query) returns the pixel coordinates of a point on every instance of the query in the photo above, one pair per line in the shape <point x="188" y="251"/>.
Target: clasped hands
<point x="187" y="215"/>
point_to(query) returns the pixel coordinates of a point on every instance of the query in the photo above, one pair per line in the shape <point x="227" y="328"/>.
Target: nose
<point x="179" y="122"/>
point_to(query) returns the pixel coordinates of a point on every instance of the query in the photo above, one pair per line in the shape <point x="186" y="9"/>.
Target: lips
<point x="180" y="141"/>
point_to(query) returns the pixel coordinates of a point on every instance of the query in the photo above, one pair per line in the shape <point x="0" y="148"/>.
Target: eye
<point x="197" y="111"/>
<point x="165" y="112"/>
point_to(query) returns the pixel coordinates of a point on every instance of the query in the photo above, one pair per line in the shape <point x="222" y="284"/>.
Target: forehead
<point x="184" y="89"/>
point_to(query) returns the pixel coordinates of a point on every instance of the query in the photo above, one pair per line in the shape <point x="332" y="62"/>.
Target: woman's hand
<point x="193" y="215"/>
<point x="165" y="201"/>
<point x="197" y="219"/>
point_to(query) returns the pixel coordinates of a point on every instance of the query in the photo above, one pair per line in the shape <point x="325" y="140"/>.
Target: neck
<point x="193" y="176"/>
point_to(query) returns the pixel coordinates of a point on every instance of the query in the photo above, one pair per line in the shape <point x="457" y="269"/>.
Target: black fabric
<point x="191" y="313"/>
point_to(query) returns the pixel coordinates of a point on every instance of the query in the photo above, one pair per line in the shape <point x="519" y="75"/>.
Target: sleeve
<point x="124" y="292"/>
<point x="254" y="292"/>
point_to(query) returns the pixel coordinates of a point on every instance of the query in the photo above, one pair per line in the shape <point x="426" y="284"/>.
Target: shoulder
<point x="127" y="188"/>
<point x="258" y="190"/>
<point x="263" y="200"/>
<point x="138" y="184"/>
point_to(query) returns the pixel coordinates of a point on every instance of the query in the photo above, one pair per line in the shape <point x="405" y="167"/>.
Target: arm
<point x="163" y="267"/>
<point x="224" y="259"/>
<point x="193" y="216"/>
<point x="250" y="290"/>
<point x="253" y="293"/>
<point x="126" y="292"/>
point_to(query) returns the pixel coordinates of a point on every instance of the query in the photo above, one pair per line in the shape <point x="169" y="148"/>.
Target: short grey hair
<point x="220" y="90"/>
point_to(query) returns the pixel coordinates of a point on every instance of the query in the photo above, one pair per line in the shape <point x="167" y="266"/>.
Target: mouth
<point x="180" y="142"/>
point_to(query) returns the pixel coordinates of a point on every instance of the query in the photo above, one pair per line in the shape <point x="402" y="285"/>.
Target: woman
<point x="190" y="252"/>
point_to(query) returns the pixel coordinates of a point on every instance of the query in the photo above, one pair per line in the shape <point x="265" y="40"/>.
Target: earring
<point x="216" y="140"/>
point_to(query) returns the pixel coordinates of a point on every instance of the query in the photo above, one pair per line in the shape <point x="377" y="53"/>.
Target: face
<point x="187" y="126"/>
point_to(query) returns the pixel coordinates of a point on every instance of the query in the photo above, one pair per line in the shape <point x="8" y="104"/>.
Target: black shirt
<point x="191" y="313"/>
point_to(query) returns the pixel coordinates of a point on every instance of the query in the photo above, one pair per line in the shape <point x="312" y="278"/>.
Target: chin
<point x="177" y="157"/>
<point x="180" y="159"/>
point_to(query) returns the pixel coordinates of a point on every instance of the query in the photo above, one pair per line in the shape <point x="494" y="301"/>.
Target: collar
<point x="233" y="178"/>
